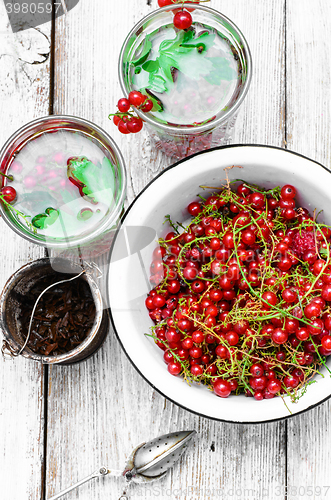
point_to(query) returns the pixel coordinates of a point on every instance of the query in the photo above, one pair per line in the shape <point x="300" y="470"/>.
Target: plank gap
<point x="52" y="64"/>
<point x="44" y="458"/>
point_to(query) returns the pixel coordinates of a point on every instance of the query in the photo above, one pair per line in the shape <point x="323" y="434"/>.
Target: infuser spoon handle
<point x="103" y="471"/>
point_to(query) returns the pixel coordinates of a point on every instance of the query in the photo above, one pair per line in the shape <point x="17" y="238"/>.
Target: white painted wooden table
<point x="58" y="424"/>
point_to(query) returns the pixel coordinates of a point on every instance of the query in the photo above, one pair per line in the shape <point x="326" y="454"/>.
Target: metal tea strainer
<point x="147" y="462"/>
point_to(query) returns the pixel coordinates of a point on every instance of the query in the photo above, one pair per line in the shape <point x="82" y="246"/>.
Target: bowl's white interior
<point x="170" y="193"/>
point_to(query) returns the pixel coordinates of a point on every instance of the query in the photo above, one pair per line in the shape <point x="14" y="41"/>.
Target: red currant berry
<point x="269" y="299"/>
<point x="174" y="368"/>
<point x="147" y="106"/>
<point x="258" y="395"/>
<point x="285" y="263"/>
<point x="274" y="386"/>
<point x="326" y="342"/>
<point x="316" y="326"/>
<point x="222" y="352"/>
<point x="9" y="193"/>
<point x="291" y="381"/>
<point x="196" y="370"/>
<point x="258" y="383"/>
<point x="232" y="338"/>
<point x="302" y="334"/>
<point x="194" y="208"/>
<point x="136" y="98"/>
<point x="289" y="295"/>
<point x="182" y="20"/>
<point x="326" y="292"/>
<point x="312" y="310"/>
<point x="116" y="119"/>
<point x="122" y="127"/>
<point x="134" y="125"/>
<point x="291" y="325"/>
<point x="257" y="200"/>
<point x="256" y="370"/>
<point x="248" y="237"/>
<point x="281" y="356"/>
<point x="222" y="388"/>
<point x="158" y="301"/>
<point x="123" y="105"/>
<point x="243" y="190"/>
<point x="279" y="336"/>
<point x="163" y="3"/>
<point x="288" y="192"/>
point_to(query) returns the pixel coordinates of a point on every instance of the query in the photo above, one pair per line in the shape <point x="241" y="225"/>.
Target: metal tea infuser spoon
<point x="147" y="462"/>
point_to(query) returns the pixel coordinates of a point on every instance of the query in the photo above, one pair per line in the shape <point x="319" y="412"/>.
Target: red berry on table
<point x="122" y="127"/>
<point x="9" y="193"/>
<point x="116" y="119"/>
<point x="123" y="105"/>
<point x="182" y="20"/>
<point x="163" y="3"/>
<point x="136" y="98"/>
<point x="134" y="125"/>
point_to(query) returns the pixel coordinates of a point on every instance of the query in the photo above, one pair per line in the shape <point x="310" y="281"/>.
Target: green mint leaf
<point x="46" y="219"/>
<point x="96" y="183"/>
<point x="144" y="53"/>
<point x="151" y="66"/>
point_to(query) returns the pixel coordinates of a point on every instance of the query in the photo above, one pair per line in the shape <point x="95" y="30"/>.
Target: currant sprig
<point x="126" y="120"/>
<point x="17" y="213"/>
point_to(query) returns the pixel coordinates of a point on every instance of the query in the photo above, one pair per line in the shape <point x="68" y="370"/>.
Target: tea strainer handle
<point x="103" y="471"/>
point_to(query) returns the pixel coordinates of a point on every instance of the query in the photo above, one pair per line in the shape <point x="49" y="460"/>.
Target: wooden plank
<point x="101" y="409"/>
<point x="309" y="113"/>
<point x="24" y="95"/>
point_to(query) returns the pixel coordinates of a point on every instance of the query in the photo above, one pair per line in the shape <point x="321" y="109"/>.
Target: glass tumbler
<point x="55" y="207"/>
<point x="213" y="124"/>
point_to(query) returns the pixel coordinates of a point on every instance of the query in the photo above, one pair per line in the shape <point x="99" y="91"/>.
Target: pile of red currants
<point x="241" y="297"/>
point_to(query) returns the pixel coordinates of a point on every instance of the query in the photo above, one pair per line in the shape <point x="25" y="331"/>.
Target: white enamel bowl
<point x="170" y="193"/>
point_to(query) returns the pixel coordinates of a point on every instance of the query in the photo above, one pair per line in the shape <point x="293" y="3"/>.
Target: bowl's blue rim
<point x="107" y="285"/>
